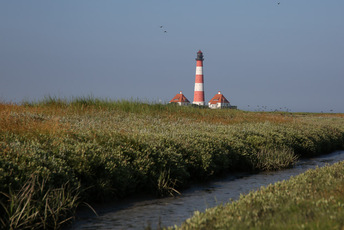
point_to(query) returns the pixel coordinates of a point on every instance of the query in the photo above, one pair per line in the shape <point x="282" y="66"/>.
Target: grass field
<point x="57" y="154"/>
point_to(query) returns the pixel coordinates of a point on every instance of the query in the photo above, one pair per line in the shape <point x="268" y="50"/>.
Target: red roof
<point x="179" y="98"/>
<point x="218" y="98"/>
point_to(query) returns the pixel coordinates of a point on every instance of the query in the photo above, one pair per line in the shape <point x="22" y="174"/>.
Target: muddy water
<point x="137" y="214"/>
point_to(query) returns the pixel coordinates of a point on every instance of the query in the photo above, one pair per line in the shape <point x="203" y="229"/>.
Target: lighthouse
<point x="199" y="86"/>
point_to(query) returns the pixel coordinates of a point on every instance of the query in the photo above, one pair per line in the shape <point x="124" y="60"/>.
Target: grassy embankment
<point x="56" y="154"/>
<point x="312" y="200"/>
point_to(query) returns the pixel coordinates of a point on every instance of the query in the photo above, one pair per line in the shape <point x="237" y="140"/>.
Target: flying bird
<point x="165" y="31"/>
<point x="278" y="3"/>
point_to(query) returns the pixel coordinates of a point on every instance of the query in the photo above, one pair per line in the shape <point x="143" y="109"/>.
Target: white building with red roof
<point x="180" y="99"/>
<point x="219" y="101"/>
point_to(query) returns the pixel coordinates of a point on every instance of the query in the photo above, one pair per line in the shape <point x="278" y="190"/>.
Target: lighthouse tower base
<point x="198" y="103"/>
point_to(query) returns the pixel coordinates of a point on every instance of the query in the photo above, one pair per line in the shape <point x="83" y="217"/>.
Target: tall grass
<point x="116" y="148"/>
<point x="38" y="206"/>
<point x="170" y="111"/>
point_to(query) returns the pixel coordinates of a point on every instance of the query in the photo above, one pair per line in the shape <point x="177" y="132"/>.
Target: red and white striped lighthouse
<point x="199" y="86"/>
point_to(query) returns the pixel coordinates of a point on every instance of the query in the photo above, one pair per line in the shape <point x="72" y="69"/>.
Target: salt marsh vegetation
<point x="88" y="149"/>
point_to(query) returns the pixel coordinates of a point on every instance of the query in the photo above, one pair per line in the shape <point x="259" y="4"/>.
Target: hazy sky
<point x="257" y="52"/>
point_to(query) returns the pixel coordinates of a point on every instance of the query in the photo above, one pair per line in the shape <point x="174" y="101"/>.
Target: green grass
<point x="313" y="200"/>
<point x="111" y="149"/>
<point x="36" y="206"/>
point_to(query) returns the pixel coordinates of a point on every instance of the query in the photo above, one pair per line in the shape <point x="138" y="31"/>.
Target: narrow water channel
<point x="137" y="214"/>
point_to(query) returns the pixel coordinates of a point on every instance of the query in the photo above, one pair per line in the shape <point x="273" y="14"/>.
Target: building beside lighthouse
<point x="219" y="102"/>
<point x="180" y="99"/>
<point x="199" y="81"/>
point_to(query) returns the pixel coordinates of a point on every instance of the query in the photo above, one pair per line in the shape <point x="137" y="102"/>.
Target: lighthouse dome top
<point x="199" y="56"/>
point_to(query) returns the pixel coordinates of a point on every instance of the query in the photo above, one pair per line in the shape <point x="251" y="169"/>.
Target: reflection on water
<point x="136" y="214"/>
